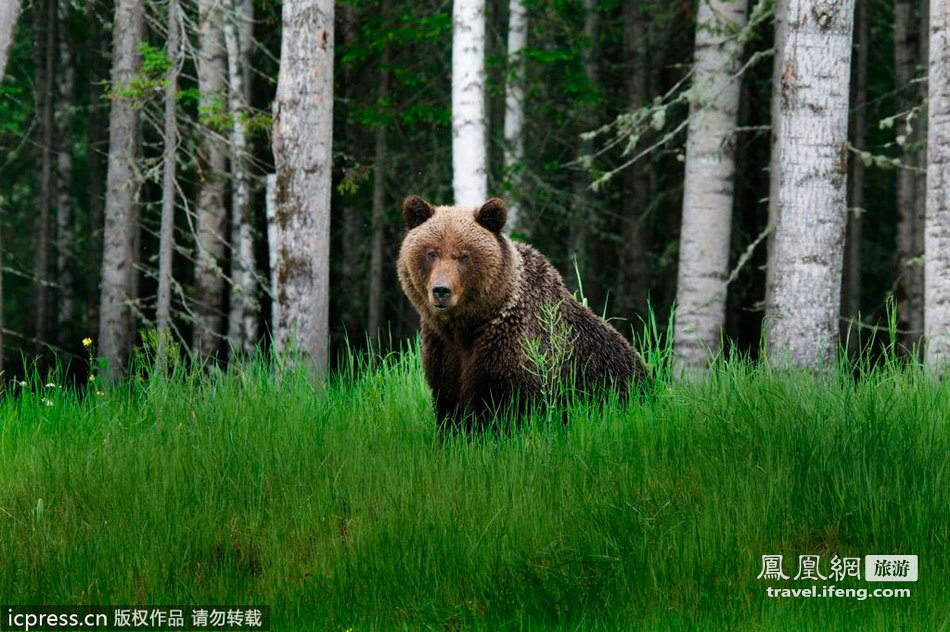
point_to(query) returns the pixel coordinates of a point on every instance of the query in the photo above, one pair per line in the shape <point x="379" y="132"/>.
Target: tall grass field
<point x="340" y="506"/>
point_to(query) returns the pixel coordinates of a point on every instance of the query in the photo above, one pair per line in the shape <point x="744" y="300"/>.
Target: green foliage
<point x="341" y="508"/>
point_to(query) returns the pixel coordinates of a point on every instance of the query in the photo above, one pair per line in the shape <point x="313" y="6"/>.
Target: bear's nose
<point x="441" y="292"/>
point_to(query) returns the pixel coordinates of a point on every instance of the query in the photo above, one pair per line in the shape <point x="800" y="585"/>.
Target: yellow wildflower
<point x="87" y="342"/>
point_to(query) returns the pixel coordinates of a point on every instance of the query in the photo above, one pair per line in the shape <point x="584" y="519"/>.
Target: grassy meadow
<point x="340" y="506"/>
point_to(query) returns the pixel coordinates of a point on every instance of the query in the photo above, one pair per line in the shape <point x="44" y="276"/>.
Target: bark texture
<point x="169" y="167"/>
<point x="302" y="137"/>
<point x="9" y="15"/>
<point x="118" y="256"/>
<point x="469" y="136"/>
<point x="634" y="271"/>
<point x="65" y="264"/>
<point x="514" y="111"/>
<point x="44" y="54"/>
<point x="802" y="322"/>
<point x="937" y="223"/>
<point x="710" y="181"/>
<point x="242" y="318"/>
<point x="778" y="70"/>
<point x="210" y="212"/>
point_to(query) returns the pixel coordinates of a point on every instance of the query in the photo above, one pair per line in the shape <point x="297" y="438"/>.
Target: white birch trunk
<point x="302" y="139"/>
<point x="781" y="25"/>
<point x="710" y="179"/>
<point x="64" y="174"/>
<point x="210" y="212"/>
<point x="514" y="111"/>
<point x="115" y="318"/>
<point x="270" y="204"/>
<point x="169" y="167"/>
<point x="469" y="136"/>
<point x="937" y="222"/>
<point x="9" y="15"/>
<point x="242" y="321"/>
<point x="802" y="323"/>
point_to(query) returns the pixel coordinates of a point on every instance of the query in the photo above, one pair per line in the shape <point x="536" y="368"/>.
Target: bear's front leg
<point x="442" y="374"/>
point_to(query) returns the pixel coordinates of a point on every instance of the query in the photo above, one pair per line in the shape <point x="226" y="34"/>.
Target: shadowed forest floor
<point x="341" y="508"/>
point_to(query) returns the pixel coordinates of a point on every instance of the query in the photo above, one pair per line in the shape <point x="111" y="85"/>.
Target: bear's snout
<point x="442" y="296"/>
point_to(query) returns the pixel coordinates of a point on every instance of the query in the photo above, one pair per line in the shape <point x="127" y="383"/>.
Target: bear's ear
<point x="492" y="215"/>
<point x="416" y="210"/>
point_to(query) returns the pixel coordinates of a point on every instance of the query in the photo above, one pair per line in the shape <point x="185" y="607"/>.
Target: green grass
<point x="341" y="507"/>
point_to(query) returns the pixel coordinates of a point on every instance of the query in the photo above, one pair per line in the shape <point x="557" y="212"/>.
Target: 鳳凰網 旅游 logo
<point x="877" y="568"/>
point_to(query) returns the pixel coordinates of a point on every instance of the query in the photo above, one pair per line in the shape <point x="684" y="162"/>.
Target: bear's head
<point x="455" y="263"/>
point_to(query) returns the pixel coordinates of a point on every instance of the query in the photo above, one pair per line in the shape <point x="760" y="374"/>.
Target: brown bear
<point x="489" y="308"/>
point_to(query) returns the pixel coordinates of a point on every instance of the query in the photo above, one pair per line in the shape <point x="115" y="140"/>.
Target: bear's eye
<point x="432" y="255"/>
<point x="464" y="257"/>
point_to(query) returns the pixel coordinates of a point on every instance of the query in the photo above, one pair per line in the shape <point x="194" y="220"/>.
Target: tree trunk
<point x="242" y="322"/>
<point x="910" y="277"/>
<point x="582" y="204"/>
<point x="469" y="136"/>
<point x="115" y="318"/>
<point x="851" y="284"/>
<point x="937" y="223"/>
<point x="351" y="218"/>
<point x="920" y="158"/>
<point x="270" y="195"/>
<point x="169" y="167"/>
<point x="43" y="271"/>
<point x="778" y="70"/>
<point x="514" y="112"/>
<point x="802" y="323"/>
<point x="65" y="264"/>
<point x="302" y="138"/>
<point x="9" y="15"/>
<point x="95" y="158"/>
<point x="379" y="203"/>
<point x="710" y="181"/>
<point x="212" y="164"/>
<point x="634" y="272"/>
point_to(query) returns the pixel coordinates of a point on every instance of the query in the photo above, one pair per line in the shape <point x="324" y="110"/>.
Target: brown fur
<point x="493" y="291"/>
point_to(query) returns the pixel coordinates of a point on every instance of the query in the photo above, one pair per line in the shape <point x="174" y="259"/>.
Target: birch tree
<point x="9" y="15"/>
<point x="242" y="321"/>
<point x="775" y="118"/>
<point x="169" y="167"/>
<point x="937" y="221"/>
<point x="514" y="109"/>
<point x="469" y="135"/>
<point x="802" y="320"/>
<point x="710" y="180"/>
<point x="210" y="213"/>
<point x="302" y="137"/>
<point x="115" y="317"/>
<point x="910" y="275"/>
